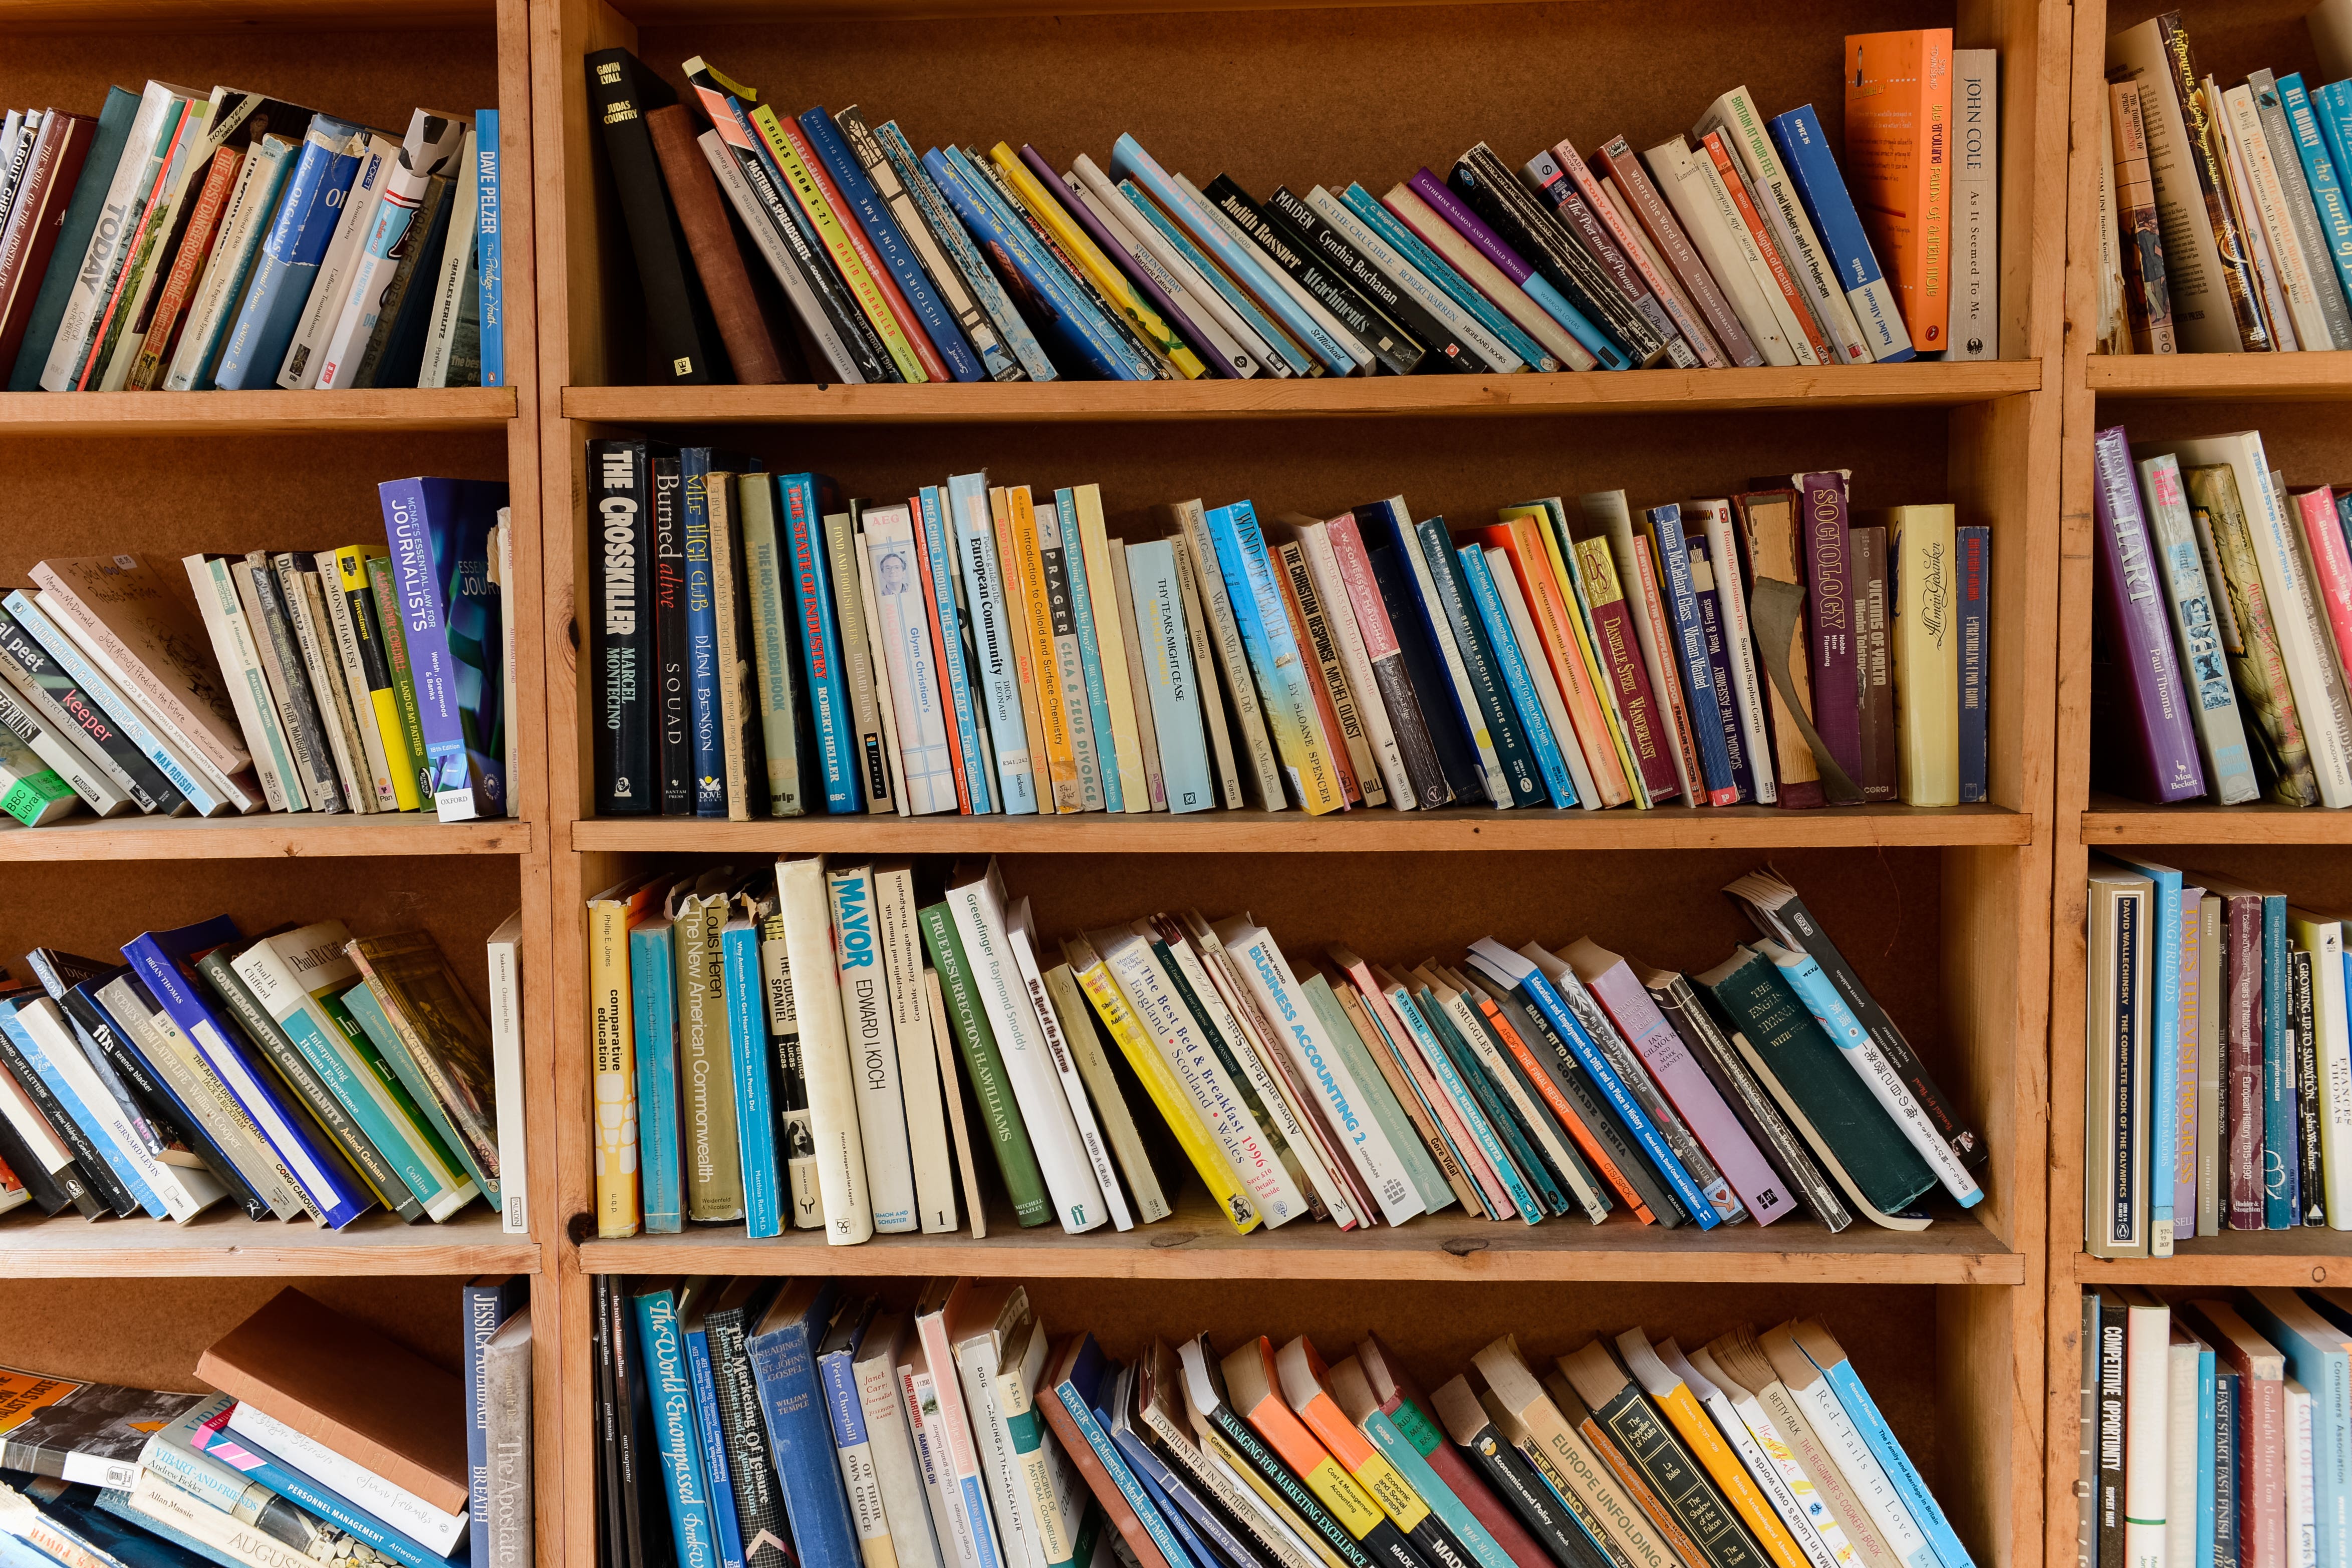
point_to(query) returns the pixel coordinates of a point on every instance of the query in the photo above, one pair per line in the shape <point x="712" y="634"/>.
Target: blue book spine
<point x="126" y="714"/>
<point x="1546" y="1198"/>
<point x="1909" y="1485"/>
<point x="2320" y="172"/>
<point x="890" y="243"/>
<point x="297" y="237"/>
<point x="485" y="1306"/>
<point x="940" y="560"/>
<point x="163" y="960"/>
<point x="85" y="1116"/>
<point x="1082" y="592"/>
<point x="1152" y="1476"/>
<point x="1690" y="647"/>
<point x="1519" y="777"/>
<point x="1814" y="174"/>
<point x="1041" y="286"/>
<point x="677" y="1439"/>
<point x="248" y="1458"/>
<point x="998" y="694"/>
<point x="1718" y="669"/>
<point x="1291" y="358"/>
<point x="1076" y="1391"/>
<point x="1168" y="676"/>
<point x="2164" y="1050"/>
<point x="784" y="1366"/>
<point x="1274" y="655"/>
<point x="2332" y="107"/>
<point x="1468" y="1102"/>
<point x="1440" y="272"/>
<point x="2318" y="1359"/>
<point x="820" y="641"/>
<point x="1078" y="299"/>
<point x="1554" y="304"/>
<point x="137" y="1527"/>
<point x="748" y="1048"/>
<point x="702" y="636"/>
<point x="394" y="1142"/>
<point x="489" y="262"/>
<point x="1431" y="1487"/>
<point x="1975" y="540"/>
<point x="653" y="995"/>
<point x="717" y="1478"/>
<point x="99" y="1525"/>
<point x="2207" y="1477"/>
<point x="953" y="239"/>
<point x="1130" y="161"/>
<point x="1538" y="991"/>
<point x="2282" y="1161"/>
<point x="440" y="534"/>
<point x="1516" y="679"/>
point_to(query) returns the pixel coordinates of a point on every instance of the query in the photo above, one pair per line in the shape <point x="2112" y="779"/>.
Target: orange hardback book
<point x="1898" y="167"/>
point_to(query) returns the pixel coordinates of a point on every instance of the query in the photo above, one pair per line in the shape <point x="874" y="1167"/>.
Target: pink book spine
<point x="1695" y="1099"/>
<point x="1587" y="184"/>
<point x="1465" y="1148"/>
<point x="2261" y="1510"/>
<point x="2330" y="558"/>
<point x="1363" y="594"/>
<point x="2184" y="1122"/>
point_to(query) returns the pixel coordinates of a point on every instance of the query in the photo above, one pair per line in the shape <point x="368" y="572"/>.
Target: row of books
<point x="304" y="1074"/>
<point x="954" y="1429"/>
<point x="2214" y="1430"/>
<point x="361" y="679"/>
<point x="984" y="648"/>
<point x="1737" y="245"/>
<point x="184" y="240"/>
<point x="2223" y="626"/>
<point x="324" y="1442"/>
<point x="1523" y="1084"/>
<point x="2217" y="1060"/>
<point x="2226" y="220"/>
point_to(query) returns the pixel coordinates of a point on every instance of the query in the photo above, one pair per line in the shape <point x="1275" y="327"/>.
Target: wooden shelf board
<point x="1422" y="396"/>
<point x="1288" y="832"/>
<point x="2245" y="378"/>
<point x="224" y="1243"/>
<point x="2111" y="821"/>
<point x="2305" y="1257"/>
<point x="1196" y="1244"/>
<point x="88" y="414"/>
<point x="297" y="835"/>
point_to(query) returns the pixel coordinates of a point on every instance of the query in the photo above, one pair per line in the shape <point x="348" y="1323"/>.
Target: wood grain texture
<point x="291" y="836"/>
<point x="2283" y="378"/>
<point x="221" y="1243"/>
<point x="112" y="415"/>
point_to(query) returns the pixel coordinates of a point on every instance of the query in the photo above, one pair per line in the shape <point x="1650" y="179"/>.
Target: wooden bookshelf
<point x="166" y="474"/>
<point x="1947" y="912"/>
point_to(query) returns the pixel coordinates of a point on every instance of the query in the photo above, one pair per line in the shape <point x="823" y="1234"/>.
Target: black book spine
<point x="628" y="1395"/>
<point x="1380" y="330"/>
<point x="2312" y="1200"/>
<point x="301" y="704"/>
<point x="1441" y="714"/>
<point x="1651" y="1447"/>
<point x="1292" y="213"/>
<point x="2111" y="1431"/>
<point x="1525" y="1494"/>
<point x="29" y="667"/>
<point x="816" y="272"/>
<point x="94" y="1169"/>
<point x="620" y="570"/>
<point x="1507" y="735"/>
<point x="1244" y="1440"/>
<point x="681" y="335"/>
<point x="46" y="1195"/>
<point x="751" y="1470"/>
<point x="601" y="1290"/>
<point x="133" y="1112"/>
<point x="1544" y="244"/>
<point x="1719" y="1060"/>
<point x="673" y="717"/>
<point x="2087" y="1439"/>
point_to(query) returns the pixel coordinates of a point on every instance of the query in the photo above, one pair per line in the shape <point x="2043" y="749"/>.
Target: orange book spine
<point x="1533" y="569"/>
<point x="1334" y="740"/>
<point x="1595" y="1151"/>
<point x="1697" y="1429"/>
<point x="1024" y="664"/>
<point x="1736" y="183"/>
<point x="1899" y="101"/>
<point x="1053" y="711"/>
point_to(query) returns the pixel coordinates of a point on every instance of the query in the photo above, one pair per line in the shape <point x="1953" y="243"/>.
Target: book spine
<point x="893" y="261"/>
<point x="2324" y="179"/>
<point x="1425" y="246"/>
<point x="2166" y="749"/>
<point x="1873" y="655"/>
<point x="1973" y="124"/>
<point x="783" y="1365"/>
<point x="1974" y="584"/>
<point x="245" y="1455"/>
<point x="1517" y="681"/>
<point x="1272" y="653"/>
<point x="752" y="1065"/>
<point x="2205" y="154"/>
<point x="1424" y="778"/>
<point x="1814" y="171"/>
<point x="1688" y="652"/>
<point x="1828" y="561"/>
<point x="652" y="989"/>
<point x="1016" y="1159"/>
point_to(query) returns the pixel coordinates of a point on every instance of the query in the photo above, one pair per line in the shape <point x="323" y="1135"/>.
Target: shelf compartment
<point x="224" y="1242"/>
<point x="2244" y="378"/>
<point x="111" y="414"/>
<point x="2305" y="1256"/>
<point x="1196" y="1244"/>
<point x="270" y="835"/>
<point x="1419" y="396"/>
<point x="1290" y="832"/>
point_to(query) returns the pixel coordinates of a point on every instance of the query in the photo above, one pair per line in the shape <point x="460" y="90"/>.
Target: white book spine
<point x="1331" y="588"/>
<point x="449" y="278"/>
<point x="2269" y="201"/>
<point x="1686" y="181"/>
<point x="979" y="910"/>
<point x="249" y="685"/>
<point x="1410" y="279"/>
<point x="1008" y="1490"/>
<point x="2148" y="1377"/>
<point x="2302" y="1503"/>
<point x="951" y="1527"/>
<point x="117" y="1140"/>
<point x="2180" y="1459"/>
<point x="159" y="107"/>
<point x="992" y="631"/>
<point x="824" y="1052"/>
<point x="1769" y="1480"/>
<point x="1785" y="318"/>
<point x="1019" y="939"/>
<point x="31" y="1126"/>
<point x="432" y="1528"/>
<point x="1172" y="260"/>
<point x="1555" y="708"/>
<point x="1975" y="330"/>
<point x="2271" y="298"/>
<point x="507" y="1064"/>
<point x="195" y="153"/>
<point x="756" y="222"/>
<point x="100" y="792"/>
<point x="954" y="1447"/>
<point x="332" y="284"/>
<point x="873" y="1048"/>
<point x="223" y="1533"/>
<point x="1862" y="1473"/>
<point x="1824" y="1532"/>
<point x="324" y="672"/>
<point x="902" y="631"/>
<point x="406" y="182"/>
<point x="1176" y="276"/>
<point x="1731" y="593"/>
<point x="919" y="1062"/>
<point x="1485" y="276"/>
<point x="898" y="1475"/>
<point x="1816" y="277"/>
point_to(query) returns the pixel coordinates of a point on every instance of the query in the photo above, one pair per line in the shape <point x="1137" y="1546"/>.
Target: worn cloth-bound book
<point x="2147" y="294"/>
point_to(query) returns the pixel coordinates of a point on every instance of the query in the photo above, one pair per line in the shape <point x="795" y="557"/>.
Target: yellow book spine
<point x="350" y="576"/>
<point x="1168" y="1096"/>
<point x="1213" y="1442"/>
<point x="1046" y="206"/>
<point x="1053" y="708"/>
<point x="1924" y="555"/>
<point x="827" y="224"/>
<point x="612" y="1045"/>
<point x="1699" y="1430"/>
<point x="1594" y="573"/>
<point x="1571" y="588"/>
<point x="1110" y="639"/>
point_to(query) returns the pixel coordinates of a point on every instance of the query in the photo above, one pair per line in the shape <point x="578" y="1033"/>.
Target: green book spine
<point x="415" y="1124"/>
<point x="395" y="653"/>
<point x="1015" y="1161"/>
<point x="361" y="1000"/>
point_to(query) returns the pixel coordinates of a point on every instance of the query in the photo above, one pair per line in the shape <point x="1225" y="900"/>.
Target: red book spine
<point x="195" y="243"/>
<point x="1657" y="220"/>
<point x="2261" y="1479"/>
<point x="42" y="198"/>
<point x="908" y="323"/>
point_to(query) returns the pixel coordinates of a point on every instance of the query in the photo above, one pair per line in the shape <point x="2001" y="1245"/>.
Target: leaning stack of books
<point x="2224" y="625"/>
<point x="2214" y="1430"/>
<point x="2224" y="213"/>
<point x="359" y="679"/>
<point x="1522" y="1084"/>
<point x="2218" y="1067"/>
<point x="953" y="1426"/>
<point x="764" y="241"/>
<point x="326" y="1444"/>
<point x="184" y="240"/>
<point x="304" y="1074"/>
<point x="983" y="649"/>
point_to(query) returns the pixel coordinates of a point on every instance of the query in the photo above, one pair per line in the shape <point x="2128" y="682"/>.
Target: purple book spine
<point x="1442" y="201"/>
<point x="1829" y="592"/>
<point x="1110" y="245"/>
<point x="2162" y="753"/>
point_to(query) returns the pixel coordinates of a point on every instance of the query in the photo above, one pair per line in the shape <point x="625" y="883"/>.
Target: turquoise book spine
<point x="654" y="992"/>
